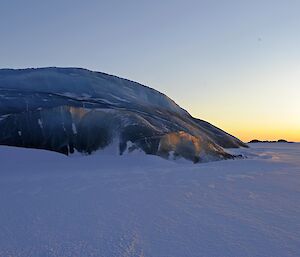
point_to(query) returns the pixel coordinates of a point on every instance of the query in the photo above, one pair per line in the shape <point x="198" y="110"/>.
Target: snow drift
<point x="135" y="205"/>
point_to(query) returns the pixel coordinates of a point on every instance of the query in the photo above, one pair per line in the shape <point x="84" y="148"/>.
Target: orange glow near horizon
<point x="247" y="135"/>
<point x="263" y="105"/>
<point x="264" y="130"/>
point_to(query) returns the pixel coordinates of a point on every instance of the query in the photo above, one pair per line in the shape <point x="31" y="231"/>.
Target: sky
<point x="235" y="64"/>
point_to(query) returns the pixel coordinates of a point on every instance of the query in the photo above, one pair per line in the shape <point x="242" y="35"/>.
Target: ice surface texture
<point x="71" y="110"/>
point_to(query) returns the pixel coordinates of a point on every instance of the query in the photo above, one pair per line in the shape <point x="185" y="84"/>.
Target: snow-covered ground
<point x="136" y="205"/>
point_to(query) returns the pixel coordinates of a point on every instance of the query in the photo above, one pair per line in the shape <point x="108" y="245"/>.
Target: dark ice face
<point x="64" y="110"/>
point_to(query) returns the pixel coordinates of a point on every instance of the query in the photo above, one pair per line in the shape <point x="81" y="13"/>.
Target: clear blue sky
<point x="233" y="63"/>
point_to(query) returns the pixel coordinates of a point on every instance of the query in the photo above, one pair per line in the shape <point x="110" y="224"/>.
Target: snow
<point x="3" y="117"/>
<point x="74" y="129"/>
<point x="40" y="123"/>
<point x="138" y="205"/>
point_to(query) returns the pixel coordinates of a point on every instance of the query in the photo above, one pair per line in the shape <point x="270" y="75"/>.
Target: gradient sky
<point x="235" y="64"/>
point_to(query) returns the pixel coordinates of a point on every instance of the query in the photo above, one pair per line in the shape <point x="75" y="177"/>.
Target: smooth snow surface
<point x="137" y="205"/>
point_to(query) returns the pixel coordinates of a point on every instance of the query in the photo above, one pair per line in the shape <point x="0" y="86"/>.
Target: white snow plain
<point x="137" y="205"/>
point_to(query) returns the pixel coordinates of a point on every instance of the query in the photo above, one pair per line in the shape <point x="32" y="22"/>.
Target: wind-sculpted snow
<point x="135" y="205"/>
<point x="71" y="109"/>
